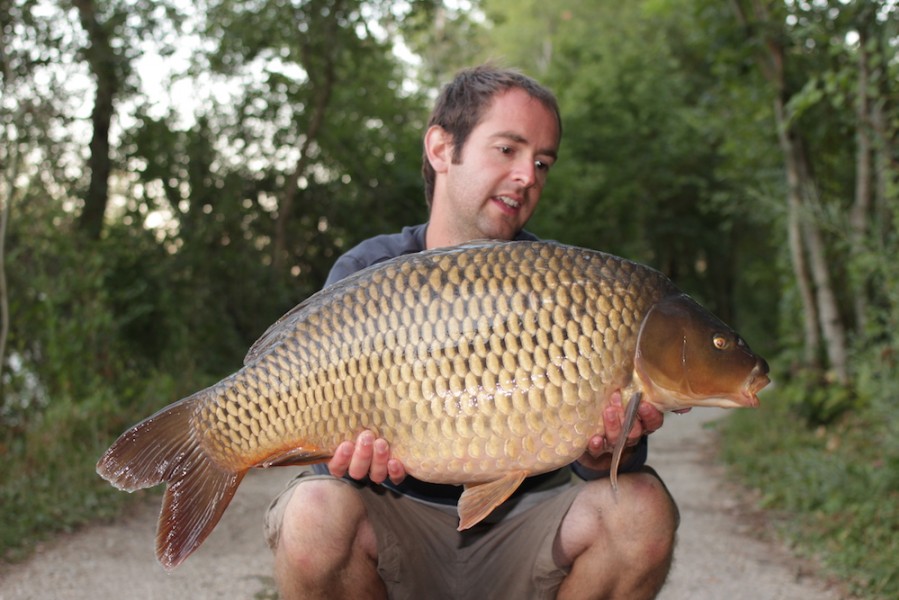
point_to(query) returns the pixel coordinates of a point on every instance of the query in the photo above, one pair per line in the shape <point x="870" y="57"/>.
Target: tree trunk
<point x="285" y="208"/>
<point x="6" y="201"/>
<point x="804" y="195"/>
<point x="319" y="56"/>
<point x="832" y="327"/>
<point x="10" y="172"/>
<point x="811" y="338"/>
<point x="884" y="138"/>
<point x="102" y="62"/>
<point x="859" y="217"/>
<point x="803" y="204"/>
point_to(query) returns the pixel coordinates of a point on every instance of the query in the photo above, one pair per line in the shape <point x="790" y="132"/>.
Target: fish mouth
<point x="757" y="381"/>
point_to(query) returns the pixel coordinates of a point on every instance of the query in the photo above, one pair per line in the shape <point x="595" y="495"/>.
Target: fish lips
<point x="748" y="396"/>
<point x="756" y="382"/>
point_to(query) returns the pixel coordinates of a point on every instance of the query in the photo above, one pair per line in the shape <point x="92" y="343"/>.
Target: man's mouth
<point x="510" y="202"/>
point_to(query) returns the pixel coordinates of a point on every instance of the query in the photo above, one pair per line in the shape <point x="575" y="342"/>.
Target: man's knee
<point x="640" y="513"/>
<point x="326" y="546"/>
<point x="321" y="521"/>
<point x="652" y="495"/>
<point x="650" y="519"/>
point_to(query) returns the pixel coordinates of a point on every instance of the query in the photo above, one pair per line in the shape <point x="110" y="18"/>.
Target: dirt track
<point x="721" y="554"/>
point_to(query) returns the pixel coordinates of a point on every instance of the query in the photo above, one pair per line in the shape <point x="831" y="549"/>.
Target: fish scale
<point x="479" y="364"/>
<point x="527" y="328"/>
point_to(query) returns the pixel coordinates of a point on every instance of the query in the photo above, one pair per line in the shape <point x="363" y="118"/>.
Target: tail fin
<point x="163" y="449"/>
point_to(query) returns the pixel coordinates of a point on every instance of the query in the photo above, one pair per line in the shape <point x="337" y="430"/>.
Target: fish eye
<point x="720" y="342"/>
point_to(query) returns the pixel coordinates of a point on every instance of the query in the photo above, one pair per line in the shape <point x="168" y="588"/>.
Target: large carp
<point x="481" y="364"/>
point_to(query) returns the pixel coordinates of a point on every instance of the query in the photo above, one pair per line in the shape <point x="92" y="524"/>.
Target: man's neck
<point x="434" y="238"/>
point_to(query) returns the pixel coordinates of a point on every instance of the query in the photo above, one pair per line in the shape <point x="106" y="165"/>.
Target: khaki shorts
<point x="422" y="555"/>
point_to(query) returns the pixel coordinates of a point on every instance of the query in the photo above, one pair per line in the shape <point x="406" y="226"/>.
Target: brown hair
<point x="463" y="101"/>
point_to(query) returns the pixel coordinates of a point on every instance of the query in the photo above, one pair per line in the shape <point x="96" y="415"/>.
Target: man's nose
<point x="525" y="172"/>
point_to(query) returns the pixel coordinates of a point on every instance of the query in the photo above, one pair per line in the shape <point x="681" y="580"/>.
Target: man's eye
<point x="542" y="166"/>
<point x="505" y="149"/>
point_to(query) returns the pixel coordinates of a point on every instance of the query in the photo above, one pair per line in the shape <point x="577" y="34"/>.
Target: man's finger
<point x="596" y="446"/>
<point x="650" y="416"/>
<point x="340" y="462"/>
<point x="381" y="453"/>
<point x="362" y="455"/>
<point x="611" y="418"/>
<point x="396" y="471"/>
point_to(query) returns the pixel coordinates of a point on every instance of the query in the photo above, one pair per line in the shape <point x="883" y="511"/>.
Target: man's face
<point x="494" y="188"/>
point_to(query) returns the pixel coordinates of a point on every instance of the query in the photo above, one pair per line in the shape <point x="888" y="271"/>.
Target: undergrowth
<point x="838" y="482"/>
<point x="48" y="483"/>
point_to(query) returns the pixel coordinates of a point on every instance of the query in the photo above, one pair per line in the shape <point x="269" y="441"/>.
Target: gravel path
<point x="720" y="555"/>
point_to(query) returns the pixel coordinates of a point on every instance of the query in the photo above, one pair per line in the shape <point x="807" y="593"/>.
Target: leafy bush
<point x="99" y="339"/>
<point x="839" y="483"/>
<point x="49" y="483"/>
<point x="817" y="400"/>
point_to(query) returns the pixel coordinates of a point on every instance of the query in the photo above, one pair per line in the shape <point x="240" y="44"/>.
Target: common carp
<point x="480" y="364"/>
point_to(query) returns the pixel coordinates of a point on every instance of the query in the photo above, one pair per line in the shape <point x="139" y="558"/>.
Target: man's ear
<point x="439" y="148"/>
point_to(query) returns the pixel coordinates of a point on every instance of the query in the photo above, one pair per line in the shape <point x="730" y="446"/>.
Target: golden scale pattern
<point x="469" y="361"/>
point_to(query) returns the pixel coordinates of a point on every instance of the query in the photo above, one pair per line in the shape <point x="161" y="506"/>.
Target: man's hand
<point x="598" y="455"/>
<point x="367" y="456"/>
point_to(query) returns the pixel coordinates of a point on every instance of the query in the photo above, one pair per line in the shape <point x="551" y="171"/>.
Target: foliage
<point x="77" y="381"/>
<point x="446" y="37"/>
<point x="182" y="279"/>
<point x="288" y="131"/>
<point x="49" y="483"/>
<point x="671" y="156"/>
<point x="815" y="400"/>
<point x="649" y="166"/>
<point x="837" y="486"/>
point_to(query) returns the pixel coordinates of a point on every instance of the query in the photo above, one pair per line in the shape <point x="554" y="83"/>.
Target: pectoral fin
<point x="630" y="416"/>
<point x="479" y="499"/>
<point x="307" y="455"/>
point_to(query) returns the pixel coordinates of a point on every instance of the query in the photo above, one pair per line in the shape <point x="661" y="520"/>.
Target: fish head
<point x="688" y="357"/>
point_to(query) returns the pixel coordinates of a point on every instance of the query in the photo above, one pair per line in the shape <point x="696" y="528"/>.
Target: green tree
<point x="316" y="147"/>
<point x="819" y="81"/>
<point x="445" y="38"/>
<point x="114" y="30"/>
<point x="644" y="170"/>
<point x="33" y="142"/>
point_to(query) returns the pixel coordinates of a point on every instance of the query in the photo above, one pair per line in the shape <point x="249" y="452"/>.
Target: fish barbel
<point x="480" y="364"/>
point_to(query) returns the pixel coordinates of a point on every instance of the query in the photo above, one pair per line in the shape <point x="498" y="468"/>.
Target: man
<point x="491" y="141"/>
